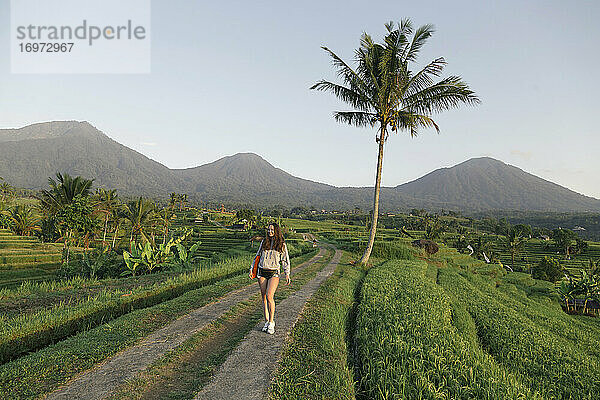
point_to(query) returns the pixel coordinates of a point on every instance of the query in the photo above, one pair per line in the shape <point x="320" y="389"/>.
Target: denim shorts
<point x="267" y="273"/>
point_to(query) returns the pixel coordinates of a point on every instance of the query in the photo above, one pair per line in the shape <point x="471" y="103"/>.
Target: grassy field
<point x="440" y="326"/>
<point x="409" y="325"/>
<point x="315" y="363"/>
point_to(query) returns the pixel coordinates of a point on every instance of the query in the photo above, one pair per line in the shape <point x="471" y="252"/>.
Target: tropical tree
<point x="163" y="220"/>
<point x="23" y="220"/>
<point x="182" y="201"/>
<point x="5" y="220"/>
<point x="385" y="93"/>
<point x="6" y="190"/>
<point x="173" y="198"/>
<point x="107" y="203"/>
<point x="433" y="228"/>
<point x="563" y="239"/>
<point x="63" y="191"/>
<point x="515" y="243"/>
<point x="139" y="214"/>
<point x="75" y="222"/>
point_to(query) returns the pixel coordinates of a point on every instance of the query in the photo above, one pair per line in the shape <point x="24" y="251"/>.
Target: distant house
<point x="579" y="228"/>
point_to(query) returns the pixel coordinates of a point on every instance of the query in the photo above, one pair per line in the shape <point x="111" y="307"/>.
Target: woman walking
<point x="273" y="255"/>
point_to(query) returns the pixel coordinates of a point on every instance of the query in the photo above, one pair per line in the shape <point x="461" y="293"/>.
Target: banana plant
<point x="132" y="261"/>
<point x="567" y="290"/>
<point x="92" y="266"/>
<point x="186" y="256"/>
<point x="589" y="286"/>
<point x="150" y="256"/>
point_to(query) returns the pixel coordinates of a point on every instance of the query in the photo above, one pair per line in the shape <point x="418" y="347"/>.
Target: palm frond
<point x="423" y="78"/>
<point x="356" y="118"/>
<point x="412" y="122"/>
<point x="397" y="98"/>
<point x="347" y="95"/>
<point x="421" y="35"/>
<point x="444" y="95"/>
<point x="344" y="71"/>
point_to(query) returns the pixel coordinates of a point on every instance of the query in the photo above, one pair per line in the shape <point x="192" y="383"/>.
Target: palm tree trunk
<point x="105" y="229"/>
<point x="367" y="253"/>
<point x="115" y="236"/>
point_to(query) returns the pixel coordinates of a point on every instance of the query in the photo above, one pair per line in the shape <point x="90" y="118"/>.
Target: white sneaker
<point x="271" y="328"/>
<point x="264" y="329"/>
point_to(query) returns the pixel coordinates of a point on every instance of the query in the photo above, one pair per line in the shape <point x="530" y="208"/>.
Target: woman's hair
<point x="275" y="243"/>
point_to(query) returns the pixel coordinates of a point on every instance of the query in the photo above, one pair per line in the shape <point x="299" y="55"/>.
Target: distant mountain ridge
<point x="29" y="155"/>
<point x="486" y="183"/>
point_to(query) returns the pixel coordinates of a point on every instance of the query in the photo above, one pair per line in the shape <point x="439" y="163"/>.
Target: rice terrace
<point x="123" y="278"/>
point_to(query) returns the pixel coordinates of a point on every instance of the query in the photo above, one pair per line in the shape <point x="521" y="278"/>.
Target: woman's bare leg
<point x="263" y="292"/>
<point x="271" y="288"/>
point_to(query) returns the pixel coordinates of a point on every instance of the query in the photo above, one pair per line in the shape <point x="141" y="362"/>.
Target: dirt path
<point x="104" y="378"/>
<point x="246" y="374"/>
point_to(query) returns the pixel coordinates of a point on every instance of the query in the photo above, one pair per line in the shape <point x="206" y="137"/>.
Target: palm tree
<point x="182" y="201"/>
<point x="107" y="203"/>
<point x="514" y="243"/>
<point x="173" y="199"/>
<point x="64" y="191"/>
<point x="5" y="219"/>
<point x="386" y="94"/>
<point x="163" y="219"/>
<point x="6" y="189"/>
<point x="139" y="213"/>
<point x="24" y="221"/>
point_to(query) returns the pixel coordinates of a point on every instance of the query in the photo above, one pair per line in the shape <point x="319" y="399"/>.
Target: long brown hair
<point x="276" y="243"/>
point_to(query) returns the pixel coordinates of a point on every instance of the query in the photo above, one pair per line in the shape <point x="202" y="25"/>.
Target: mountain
<point x="250" y="175"/>
<point x="488" y="184"/>
<point x="29" y="155"/>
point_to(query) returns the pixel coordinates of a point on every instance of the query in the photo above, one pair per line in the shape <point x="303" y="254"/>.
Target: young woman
<point x="273" y="255"/>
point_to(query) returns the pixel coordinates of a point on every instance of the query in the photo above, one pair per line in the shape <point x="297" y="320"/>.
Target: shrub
<point x="548" y="269"/>
<point x="94" y="264"/>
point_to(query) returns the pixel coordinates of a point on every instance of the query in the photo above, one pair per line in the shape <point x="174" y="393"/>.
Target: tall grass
<point x="408" y="347"/>
<point x="381" y="249"/>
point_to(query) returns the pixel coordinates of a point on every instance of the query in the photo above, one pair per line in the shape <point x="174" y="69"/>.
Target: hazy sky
<point x="231" y="77"/>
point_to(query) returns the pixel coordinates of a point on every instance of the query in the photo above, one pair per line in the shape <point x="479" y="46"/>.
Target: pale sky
<point x="233" y="76"/>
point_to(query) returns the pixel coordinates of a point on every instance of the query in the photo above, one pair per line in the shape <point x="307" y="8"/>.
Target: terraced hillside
<point x="25" y="258"/>
<point x="535" y="250"/>
<point x="216" y="241"/>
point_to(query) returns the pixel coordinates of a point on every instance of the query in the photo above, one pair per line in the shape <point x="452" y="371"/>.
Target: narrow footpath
<point x="247" y="372"/>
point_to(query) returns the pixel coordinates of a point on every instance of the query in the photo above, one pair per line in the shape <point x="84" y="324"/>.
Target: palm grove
<point x="99" y="224"/>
